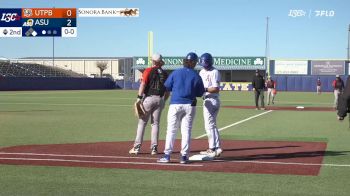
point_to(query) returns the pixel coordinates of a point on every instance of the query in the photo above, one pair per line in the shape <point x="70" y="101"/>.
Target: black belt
<point x="154" y="95"/>
<point x="210" y="96"/>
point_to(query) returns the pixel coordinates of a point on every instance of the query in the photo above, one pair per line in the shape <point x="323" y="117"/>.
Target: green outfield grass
<point x="52" y="117"/>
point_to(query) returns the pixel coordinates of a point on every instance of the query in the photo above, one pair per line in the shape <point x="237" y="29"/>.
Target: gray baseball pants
<point x="153" y="105"/>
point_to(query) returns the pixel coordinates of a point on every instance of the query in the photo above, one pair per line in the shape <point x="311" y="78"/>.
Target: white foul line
<point x="236" y="123"/>
<point x="285" y="163"/>
<point x="145" y="163"/>
<point x="103" y="162"/>
<point x="72" y="155"/>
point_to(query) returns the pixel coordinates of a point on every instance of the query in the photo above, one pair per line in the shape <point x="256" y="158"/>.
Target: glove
<point x="140" y="111"/>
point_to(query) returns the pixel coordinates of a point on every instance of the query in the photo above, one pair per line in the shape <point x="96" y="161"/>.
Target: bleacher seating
<point x="33" y="70"/>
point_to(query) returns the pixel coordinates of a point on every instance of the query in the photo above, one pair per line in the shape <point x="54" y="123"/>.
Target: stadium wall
<point x="30" y="83"/>
<point x="304" y="83"/>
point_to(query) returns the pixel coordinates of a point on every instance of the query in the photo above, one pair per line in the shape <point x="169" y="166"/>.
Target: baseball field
<point x="77" y="142"/>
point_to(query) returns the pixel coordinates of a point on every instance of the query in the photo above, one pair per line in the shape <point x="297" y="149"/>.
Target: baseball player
<point x="270" y="85"/>
<point x="153" y="95"/>
<point x="338" y="86"/>
<point x="211" y="104"/>
<point x="318" y="84"/>
<point x="185" y="85"/>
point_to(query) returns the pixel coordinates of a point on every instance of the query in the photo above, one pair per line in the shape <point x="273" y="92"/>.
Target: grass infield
<point x="60" y="117"/>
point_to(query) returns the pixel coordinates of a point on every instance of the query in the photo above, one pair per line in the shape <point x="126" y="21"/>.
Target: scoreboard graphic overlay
<point x="38" y="22"/>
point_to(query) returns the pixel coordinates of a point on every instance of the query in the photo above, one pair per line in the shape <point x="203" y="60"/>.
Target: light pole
<point x="267" y="47"/>
<point x="348" y="44"/>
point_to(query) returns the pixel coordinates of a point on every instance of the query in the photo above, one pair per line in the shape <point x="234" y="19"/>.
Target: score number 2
<point x="69" y="22"/>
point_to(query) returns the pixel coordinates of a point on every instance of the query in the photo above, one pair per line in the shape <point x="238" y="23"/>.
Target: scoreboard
<point x="38" y="22"/>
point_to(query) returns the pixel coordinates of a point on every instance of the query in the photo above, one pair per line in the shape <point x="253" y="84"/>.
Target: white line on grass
<point x="285" y="163"/>
<point x="282" y="102"/>
<point x="102" y="162"/>
<point x="74" y="155"/>
<point x="237" y="123"/>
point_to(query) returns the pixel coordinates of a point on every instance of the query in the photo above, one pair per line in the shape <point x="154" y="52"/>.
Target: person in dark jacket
<point x="258" y="88"/>
<point x="338" y="86"/>
<point x="344" y="102"/>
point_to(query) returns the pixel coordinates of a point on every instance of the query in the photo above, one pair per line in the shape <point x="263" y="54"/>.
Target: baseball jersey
<point x="146" y="74"/>
<point x="211" y="79"/>
<point x="185" y="85"/>
<point x="318" y="82"/>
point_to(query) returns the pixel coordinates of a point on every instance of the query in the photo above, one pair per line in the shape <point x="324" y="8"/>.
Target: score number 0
<point x="69" y="31"/>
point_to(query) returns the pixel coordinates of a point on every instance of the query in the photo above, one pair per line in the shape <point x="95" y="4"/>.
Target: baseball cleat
<point x="209" y="152"/>
<point x="184" y="160"/>
<point x="164" y="159"/>
<point x="154" y="150"/>
<point x="135" y="150"/>
<point x="218" y="152"/>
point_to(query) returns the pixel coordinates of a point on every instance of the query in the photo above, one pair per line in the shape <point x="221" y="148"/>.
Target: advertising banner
<point x="290" y="67"/>
<point x="327" y="67"/>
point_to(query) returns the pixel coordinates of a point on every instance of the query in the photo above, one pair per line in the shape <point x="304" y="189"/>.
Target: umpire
<point x="258" y="88"/>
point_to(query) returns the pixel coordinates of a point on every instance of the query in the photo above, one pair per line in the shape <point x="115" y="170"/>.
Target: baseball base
<point x="201" y="157"/>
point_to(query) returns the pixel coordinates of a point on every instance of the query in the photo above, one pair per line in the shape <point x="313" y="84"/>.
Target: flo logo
<point x="10" y="17"/>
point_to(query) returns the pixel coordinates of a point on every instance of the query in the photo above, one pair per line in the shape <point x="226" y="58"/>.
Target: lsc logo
<point x="10" y="17"/>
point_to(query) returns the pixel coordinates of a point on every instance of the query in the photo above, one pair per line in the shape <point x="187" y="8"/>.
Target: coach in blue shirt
<point x="185" y="85"/>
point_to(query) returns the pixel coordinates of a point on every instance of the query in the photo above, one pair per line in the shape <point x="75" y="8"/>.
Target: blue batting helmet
<point x="206" y="61"/>
<point x="192" y="57"/>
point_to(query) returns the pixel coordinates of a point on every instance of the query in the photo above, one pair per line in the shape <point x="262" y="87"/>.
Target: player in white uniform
<point x="211" y="104"/>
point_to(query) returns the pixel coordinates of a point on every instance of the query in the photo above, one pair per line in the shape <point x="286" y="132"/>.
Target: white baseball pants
<point x="179" y="115"/>
<point x="211" y="108"/>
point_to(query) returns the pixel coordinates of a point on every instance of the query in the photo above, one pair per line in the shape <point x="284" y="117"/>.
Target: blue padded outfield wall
<point x="30" y="83"/>
<point x="304" y="83"/>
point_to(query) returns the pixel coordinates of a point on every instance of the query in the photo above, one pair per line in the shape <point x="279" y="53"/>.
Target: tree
<point x="102" y="65"/>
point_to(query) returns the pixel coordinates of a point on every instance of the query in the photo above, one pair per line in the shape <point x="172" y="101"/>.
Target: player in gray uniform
<point x="153" y="95"/>
<point x="211" y="104"/>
